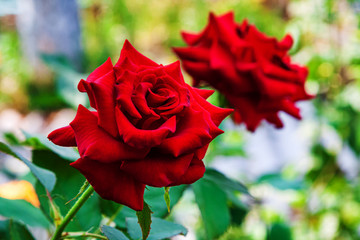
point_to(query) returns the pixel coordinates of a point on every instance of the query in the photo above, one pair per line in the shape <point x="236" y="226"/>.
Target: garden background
<point x="303" y="180"/>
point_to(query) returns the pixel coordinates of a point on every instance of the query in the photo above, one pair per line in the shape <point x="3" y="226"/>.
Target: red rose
<point x="251" y="70"/>
<point x="149" y="128"/>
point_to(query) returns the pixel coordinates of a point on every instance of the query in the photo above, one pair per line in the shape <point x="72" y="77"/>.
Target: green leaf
<point x="160" y="229"/>
<point x="41" y="142"/>
<point x="167" y="197"/>
<point x="155" y="198"/>
<point x="112" y="233"/>
<point x="144" y="220"/>
<point x="4" y="230"/>
<point x="23" y="211"/>
<point x="19" y="232"/>
<point x="277" y="181"/>
<point x="224" y="182"/>
<point x="10" y="229"/>
<point x="46" y="177"/>
<point x="69" y="181"/>
<point x="279" y="231"/>
<point x="212" y="202"/>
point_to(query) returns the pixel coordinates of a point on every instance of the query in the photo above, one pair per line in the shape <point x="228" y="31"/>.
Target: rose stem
<point x="86" y="194"/>
<point x="82" y="234"/>
<point x="114" y="215"/>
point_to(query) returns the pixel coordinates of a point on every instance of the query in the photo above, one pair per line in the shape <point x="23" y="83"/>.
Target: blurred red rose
<point x="149" y="128"/>
<point x="251" y="70"/>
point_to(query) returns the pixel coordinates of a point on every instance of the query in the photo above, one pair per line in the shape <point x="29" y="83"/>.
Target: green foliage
<point x="223" y="182"/>
<point x="160" y="229"/>
<point x="279" y="231"/>
<point x="153" y="196"/>
<point x="167" y="197"/>
<point x="10" y="229"/>
<point x="144" y="220"/>
<point x="40" y="142"/>
<point x="46" y="177"/>
<point x="278" y="181"/>
<point x="23" y="211"/>
<point x="211" y="201"/>
<point x="113" y="234"/>
<point x="69" y="181"/>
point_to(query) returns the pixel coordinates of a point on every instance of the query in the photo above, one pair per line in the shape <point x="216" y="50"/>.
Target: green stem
<point x="114" y="215"/>
<point x="82" y="234"/>
<point x="86" y="194"/>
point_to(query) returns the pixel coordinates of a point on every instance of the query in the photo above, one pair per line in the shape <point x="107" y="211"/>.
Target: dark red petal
<point x="225" y="28"/>
<point x="63" y="137"/>
<point x="272" y="87"/>
<point x="195" y="171"/>
<point x="217" y="114"/>
<point x="134" y="56"/>
<point x="158" y="170"/>
<point x="124" y="91"/>
<point x="84" y="86"/>
<point x="286" y="43"/>
<point x="193" y="131"/>
<point x="111" y="183"/>
<point x="246" y="107"/>
<point x="95" y="143"/>
<point x="274" y="119"/>
<point x="140" y="138"/>
<point x="204" y="93"/>
<point x="199" y="71"/>
<point x="104" y="95"/>
<point x="174" y="71"/>
<point x="198" y="54"/>
<point x="124" y="65"/>
<point x="290" y="108"/>
<point x="139" y="100"/>
<point x="102" y="70"/>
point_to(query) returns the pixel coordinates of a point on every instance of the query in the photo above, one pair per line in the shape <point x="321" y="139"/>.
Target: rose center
<point x="157" y="97"/>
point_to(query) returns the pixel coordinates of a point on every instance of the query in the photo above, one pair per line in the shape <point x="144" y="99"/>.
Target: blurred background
<point x="304" y="178"/>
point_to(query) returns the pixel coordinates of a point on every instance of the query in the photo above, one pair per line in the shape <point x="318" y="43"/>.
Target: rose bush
<point x="251" y="70"/>
<point x="149" y="128"/>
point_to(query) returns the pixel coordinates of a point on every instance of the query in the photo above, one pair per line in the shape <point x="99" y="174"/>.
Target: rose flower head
<point x="149" y="128"/>
<point x="251" y="70"/>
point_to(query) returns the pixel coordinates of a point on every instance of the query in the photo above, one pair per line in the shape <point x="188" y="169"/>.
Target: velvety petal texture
<point x="149" y="128"/>
<point x="253" y="71"/>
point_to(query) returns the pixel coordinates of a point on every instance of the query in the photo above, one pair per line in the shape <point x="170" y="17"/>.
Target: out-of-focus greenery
<point x="323" y="203"/>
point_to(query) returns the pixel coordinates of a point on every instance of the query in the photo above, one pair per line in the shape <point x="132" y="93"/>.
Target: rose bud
<point x="251" y="70"/>
<point x="149" y="128"/>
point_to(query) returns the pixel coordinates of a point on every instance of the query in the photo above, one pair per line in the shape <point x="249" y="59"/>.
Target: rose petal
<point x="139" y="138"/>
<point x="217" y="114"/>
<point x="84" y="86"/>
<point x="95" y="143"/>
<point x="192" y="132"/>
<point x="272" y="87"/>
<point x="134" y="56"/>
<point x="111" y="183"/>
<point x="274" y="119"/>
<point x="63" y="137"/>
<point x="124" y="64"/>
<point x="174" y="71"/>
<point x="204" y="93"/>
<point x="198" y="54"/>
<point x="195" y="171"/>
<point x="158" y="170"/>
<point x="104" y="95"/>
<point x="124" y="91"/>
<point x="246" y="107"/>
